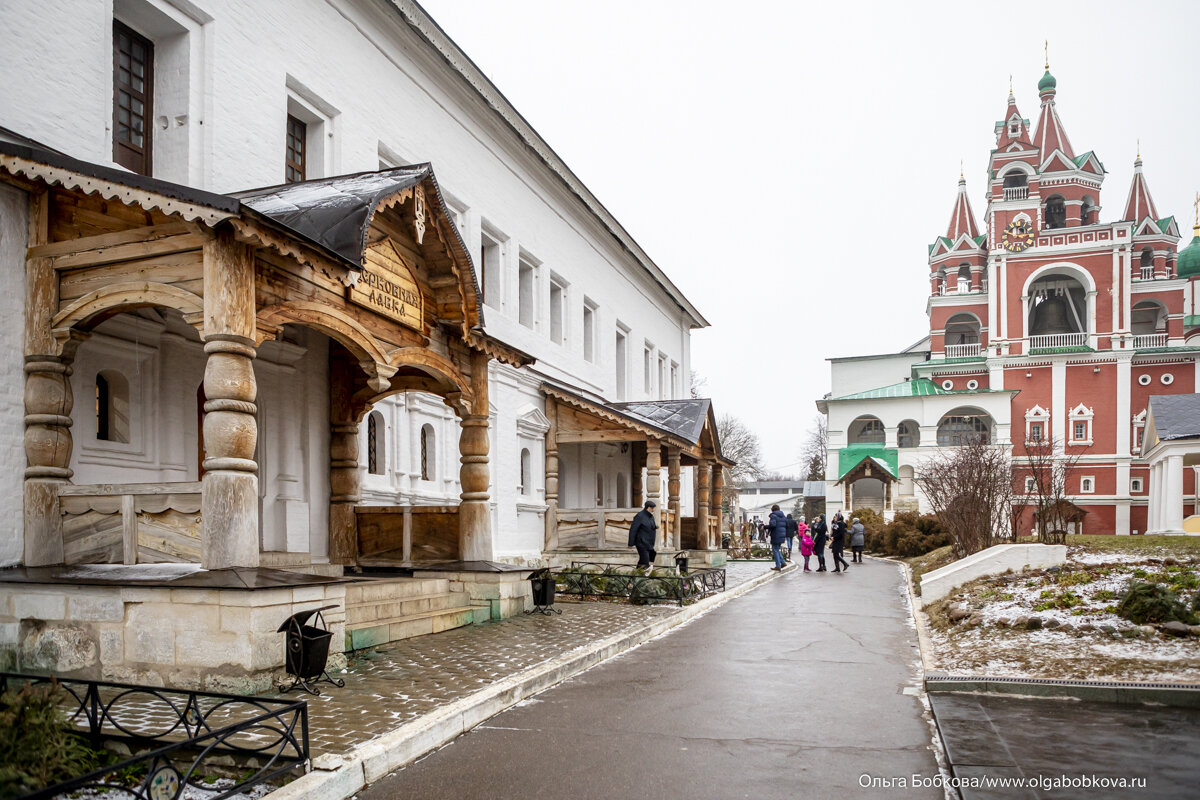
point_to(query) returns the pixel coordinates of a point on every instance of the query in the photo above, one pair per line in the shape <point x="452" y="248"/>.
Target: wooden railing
<point x="605" y="528"/>
<point x="131" y="523"/>
<point x="402" y="534"/>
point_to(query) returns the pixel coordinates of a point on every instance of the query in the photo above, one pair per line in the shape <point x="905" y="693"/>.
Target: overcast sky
<point x="787" y="163"/>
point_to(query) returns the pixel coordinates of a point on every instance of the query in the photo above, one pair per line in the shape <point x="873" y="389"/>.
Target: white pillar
<point x="1173" y="495"/>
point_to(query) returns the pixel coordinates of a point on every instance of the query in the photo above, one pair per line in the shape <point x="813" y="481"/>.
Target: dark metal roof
<point x="18" y="146"/>
<point x="334" y="212"/>
<point x="682" y="418"/>
<point x="1176" y="416"/>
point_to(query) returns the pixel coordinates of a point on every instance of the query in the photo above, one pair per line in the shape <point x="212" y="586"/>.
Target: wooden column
<point x="552" y="475"/>
<point x="48" y="401"/>
<point x="474" y="517"/>
<point x="229" y="493"/>
<point x="345" y="478"/>
<point x="702" y="501"/>
<point x="718" y="492"/>
<point x="671" y="538"/>
<point x="639" y="464"/>
<point x="654" y="477"/>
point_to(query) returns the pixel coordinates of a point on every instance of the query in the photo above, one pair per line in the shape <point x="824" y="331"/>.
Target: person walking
<point x="793" y="530"/>
<point x="858" y="540"/>
<point x="820" y="535"/>
<point x="837" y="542"/>
<point x="643" y="533"/>
<point x="777" y="525"/>
<point x="806" y="545"/>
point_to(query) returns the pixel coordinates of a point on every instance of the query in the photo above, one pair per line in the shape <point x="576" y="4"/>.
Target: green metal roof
<point x="979" y="239"/>
<point x="1164" y="223"/>
<point x="852" y="455"/>
<point x="921" y="387"/>
<point x="1191" y="320"/>
<point x="1187" y="263"/>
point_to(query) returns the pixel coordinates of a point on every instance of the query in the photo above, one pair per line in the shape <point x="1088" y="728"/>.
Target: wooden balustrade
<point x="131" y="523"/>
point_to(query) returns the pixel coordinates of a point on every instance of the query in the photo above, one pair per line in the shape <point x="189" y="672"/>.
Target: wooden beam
<point x="576" y="437"/>
<point x="107" y="240"/>
<point x="133" y="250"/>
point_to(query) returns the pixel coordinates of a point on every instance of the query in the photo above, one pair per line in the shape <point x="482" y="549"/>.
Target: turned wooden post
<point x="702" y="504"/>
<point x="638" y="457"/>
<point x="552" y="475"/>
<point x="654" y="477"/>
<point x="474" y="517"/>
<point x="671" y="537"/>
<point x="345" y="479"/>
<point x="229" y="491"/>
<point x="48" y="401"/>
<point x="718" y="492"/>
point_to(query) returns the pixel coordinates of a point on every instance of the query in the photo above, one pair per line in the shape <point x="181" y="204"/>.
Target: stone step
<point x="375" y="612"/>
<point x="389" y="589"/>
<point x="408" y="627"/>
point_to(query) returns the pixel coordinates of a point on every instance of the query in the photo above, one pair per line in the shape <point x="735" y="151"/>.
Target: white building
<point x="220" y="97"/>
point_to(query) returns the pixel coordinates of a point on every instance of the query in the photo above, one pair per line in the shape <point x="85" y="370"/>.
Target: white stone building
<point x="218" y="97"/>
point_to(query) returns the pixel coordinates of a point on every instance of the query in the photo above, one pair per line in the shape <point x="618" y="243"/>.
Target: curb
<point x="368" y="762"/>
<point x="1176" y="695"/>
<point x="918" y="614"/>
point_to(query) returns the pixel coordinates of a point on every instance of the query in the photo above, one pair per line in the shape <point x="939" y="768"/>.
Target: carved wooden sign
<point x="387" y="286"/>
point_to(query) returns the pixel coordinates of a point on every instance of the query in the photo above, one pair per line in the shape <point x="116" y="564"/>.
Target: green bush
<point x="907" y="535"/>
<point x="37" y="748"/>
<point x="1152" y="602"/>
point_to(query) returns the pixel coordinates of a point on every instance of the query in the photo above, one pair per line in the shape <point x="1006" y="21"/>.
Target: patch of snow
<point x="1095" y="558"/>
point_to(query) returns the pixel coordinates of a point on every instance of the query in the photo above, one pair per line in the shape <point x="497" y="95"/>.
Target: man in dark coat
<point x="820" y="534"/>
<point x="793" y="530"/>
<point x="643" y="534"/>
<point x="837" y="542"/>
<point x="777" y="524"/>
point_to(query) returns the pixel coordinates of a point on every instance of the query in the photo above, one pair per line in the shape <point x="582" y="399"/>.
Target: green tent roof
<point x="1164" y="223"/>
<point x="852" y="455"/>
<point x="921" y="387"/>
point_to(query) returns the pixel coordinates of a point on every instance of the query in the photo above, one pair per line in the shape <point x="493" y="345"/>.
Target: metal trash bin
<point x="306" y="649"/>
<point x="542" y="583"/>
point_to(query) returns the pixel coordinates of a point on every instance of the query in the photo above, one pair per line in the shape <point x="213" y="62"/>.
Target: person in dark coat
<point x="777" y="524"/>
<point x="820" y="535"/>
<point x="643" y="534"/>
<point x="793" y="530"/>
<point x="837" y="542"/>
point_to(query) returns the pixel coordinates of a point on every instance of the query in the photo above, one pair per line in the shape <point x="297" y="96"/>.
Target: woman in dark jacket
<point x="820" y="534"/>
<point x="837" y="543"/>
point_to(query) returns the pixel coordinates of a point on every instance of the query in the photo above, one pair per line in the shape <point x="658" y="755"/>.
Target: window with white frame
<point x="647" y="360"/>
<point x="558" y="310"/>
<point x="523" y="486"/>
<point x="1135" y="485"/>
<point x="1037" y="425"/>
<point x="1087" y="484"/>
<point x="1139" y="428"/>
<point x="526" y="291"/>
<point x="428" y="453"/>
<point x="112" y="407"/>
<point x="589" y="331"/>
<point x="1081" y="425"/>
<point x="376" y="448"/>
<point x="620" y="356"/>
<point x="674" y="380"/>
<point x="1030" y="484"/>
<point x="532" y="426"/>
<point x="663" y="392"/>
<point x="309" y="131"/>
<point x="491" y="264"/>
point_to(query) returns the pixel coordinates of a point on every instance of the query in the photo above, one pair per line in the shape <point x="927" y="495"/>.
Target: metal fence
<point x="177" y="738"/>
<point x="590" y="579"/>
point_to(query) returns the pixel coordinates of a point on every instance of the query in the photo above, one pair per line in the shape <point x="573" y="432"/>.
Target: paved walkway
<point x="793" y="690"/>
<point x="998" y="739"/>
<point x="402" y="681"/>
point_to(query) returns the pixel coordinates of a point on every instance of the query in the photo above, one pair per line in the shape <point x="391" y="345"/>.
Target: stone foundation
<point x="506" y="594"/>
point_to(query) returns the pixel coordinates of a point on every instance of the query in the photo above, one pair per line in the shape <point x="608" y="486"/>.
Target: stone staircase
<point x="381" y="610"/>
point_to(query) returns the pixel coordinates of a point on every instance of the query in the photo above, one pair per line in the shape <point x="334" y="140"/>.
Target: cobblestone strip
<point x="354" y="759"/>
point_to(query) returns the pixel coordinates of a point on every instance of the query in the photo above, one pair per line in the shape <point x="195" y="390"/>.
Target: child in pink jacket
<point x="806" y="544"/>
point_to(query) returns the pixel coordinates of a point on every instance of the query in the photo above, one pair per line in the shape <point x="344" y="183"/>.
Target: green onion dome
<point x="1047" y="83"/>
<point x="1187" y="263"/>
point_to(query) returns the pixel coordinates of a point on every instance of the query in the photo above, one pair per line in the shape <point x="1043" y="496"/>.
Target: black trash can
<point x="542" y="583"/>
<point x="681" y="563"/>
<point x="306" y="649"/>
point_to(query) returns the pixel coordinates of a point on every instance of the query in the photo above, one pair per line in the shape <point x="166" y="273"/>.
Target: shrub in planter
<point x="1147" y="603"/>
<point x="37" y="748"/>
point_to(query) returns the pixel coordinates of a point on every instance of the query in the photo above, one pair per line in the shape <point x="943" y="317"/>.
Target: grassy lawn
<point x="930" y="561"/>
<point x="1141" y="545"/>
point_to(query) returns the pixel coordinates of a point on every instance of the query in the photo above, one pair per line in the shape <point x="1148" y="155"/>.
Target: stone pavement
<point x="798" y="689"/>
<point x="403" y="681"/>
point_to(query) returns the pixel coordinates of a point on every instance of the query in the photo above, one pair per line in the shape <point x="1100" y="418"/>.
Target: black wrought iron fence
<point x="178" y="738"/>
<point x="590" y="579"/>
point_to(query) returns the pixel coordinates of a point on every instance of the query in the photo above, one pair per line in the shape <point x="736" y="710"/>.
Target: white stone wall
<point x="13" y="238"/>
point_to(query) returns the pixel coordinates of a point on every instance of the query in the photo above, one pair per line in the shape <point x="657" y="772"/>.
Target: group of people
<point x="784" y="529"/>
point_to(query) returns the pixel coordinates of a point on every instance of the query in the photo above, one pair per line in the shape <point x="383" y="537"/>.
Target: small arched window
<point x="524" y="486"/>
<point x="599" y="490"/>
<point x="1056" y="212"/>
<point x="112" y="407"/>
<point x="1085" y="211"/>
<point x="1147" y="263"/>
<point x="376" y="453"/>
<point x="909" y="434"/>
<point x="428" y="453"/>
<point x="963" y="280"/>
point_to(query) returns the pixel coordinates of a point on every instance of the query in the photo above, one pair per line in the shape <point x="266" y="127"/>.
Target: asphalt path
<point x="801" y="688"/>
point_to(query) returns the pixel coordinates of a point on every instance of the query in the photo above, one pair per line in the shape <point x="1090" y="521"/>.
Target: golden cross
<point x="1197" y="206"/>
<point x="1047" y="55"/>
<point x="1010" y="84"/>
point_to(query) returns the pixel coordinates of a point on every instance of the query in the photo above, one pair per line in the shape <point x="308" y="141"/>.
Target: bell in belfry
<point x="1052" y="316"/>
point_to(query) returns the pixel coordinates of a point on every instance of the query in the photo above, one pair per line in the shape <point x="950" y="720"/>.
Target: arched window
<point x="376" y="452"/>
<point x="964" y="426"/>
<point x="622" y="499"/>
<point x="1085" y="211"/>
<point x="909" y="434"/>
<point x="867" y="430"/>
<point x="599" y="490"/>
<point x="964" y="279"/>
<point x="1057" y="305"/>
<point x="524" y="487"/>
<point x="112" y="407"/>
<point x="1056" y="212"/>
<point x="1147" y="264"/>
<point x="1015" y="178"/>
<point x="907" y="482"/>
<point x="428" y="453"/>
<point x="962" y="329"/>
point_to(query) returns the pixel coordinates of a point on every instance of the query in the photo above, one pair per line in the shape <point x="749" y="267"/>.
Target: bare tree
<point x="815" y="450"/>
<point x="740" y="444"/>
<point x="970" y="488"/>
<point x="697" y="385"/>
<point x="1044" y="472"/>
